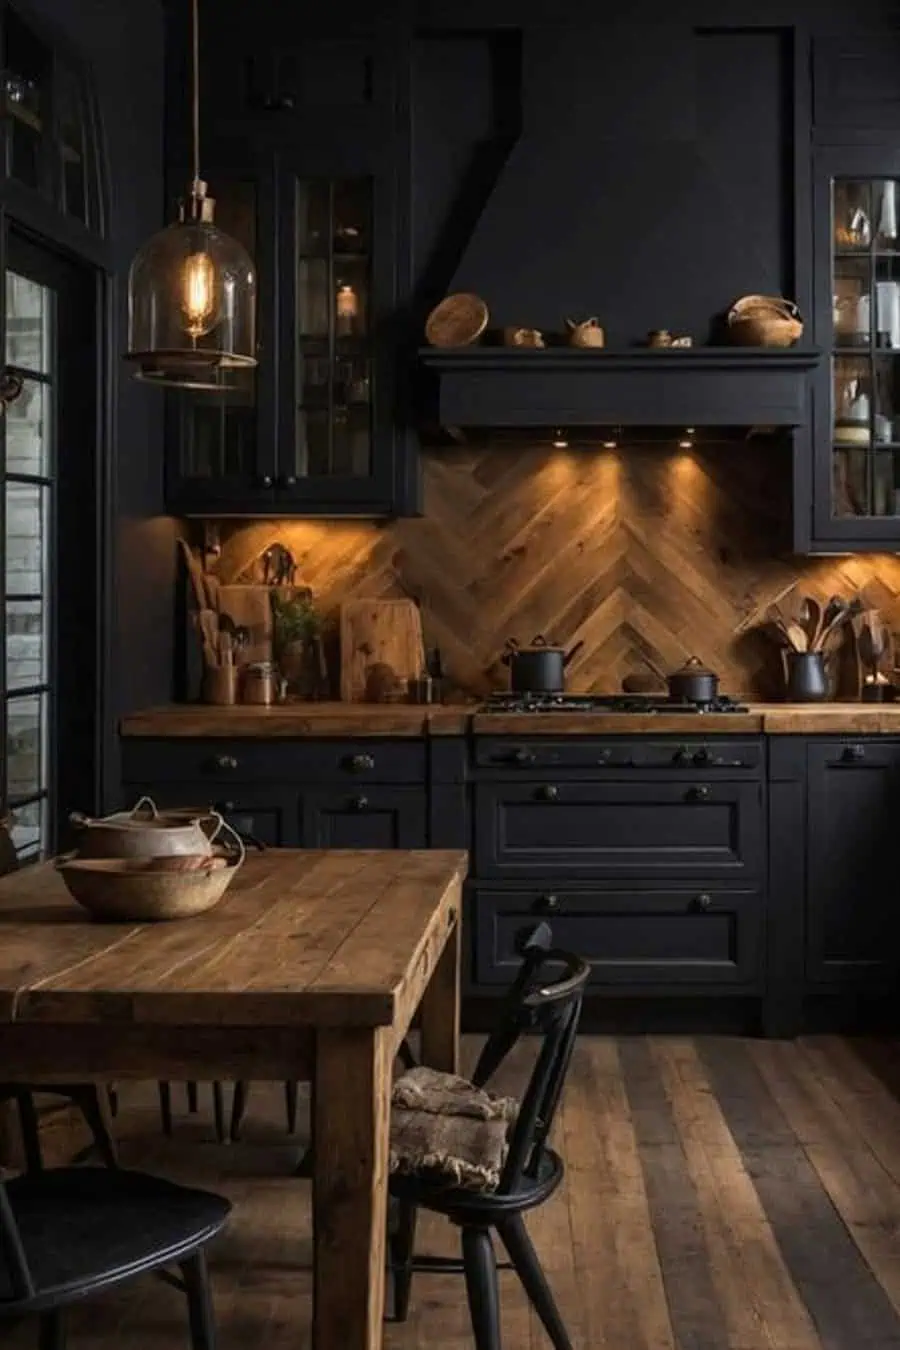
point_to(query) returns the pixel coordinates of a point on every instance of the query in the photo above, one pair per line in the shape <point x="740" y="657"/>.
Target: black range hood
<point x="572" y="387"/>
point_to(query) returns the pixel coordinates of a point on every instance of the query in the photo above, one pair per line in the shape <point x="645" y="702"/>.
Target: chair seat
<point x="87" y="1227"/>
<point x="475" y="1206"/>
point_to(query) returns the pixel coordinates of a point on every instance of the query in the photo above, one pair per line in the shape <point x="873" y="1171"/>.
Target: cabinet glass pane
<point x="26" y="81"/>
<point x="333" y="320"/>
<point x="27" y="324"/>
<point x="28" y="431"/>
<point x="218" y="431"/>
<point x="71" y="119"/>
<point x="26" y="644"/>
<point x="866" y="336"/>
<point x="27" y="506"/>
<point x="26" y="725"/>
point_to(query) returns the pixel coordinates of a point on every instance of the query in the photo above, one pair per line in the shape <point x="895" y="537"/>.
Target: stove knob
<point x="682" y="755"/>
<point x="522" y="756"/>
<point x="701" y="756"/>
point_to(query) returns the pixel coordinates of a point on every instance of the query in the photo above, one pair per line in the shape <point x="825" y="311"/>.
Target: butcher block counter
<point x="286" y="721"/>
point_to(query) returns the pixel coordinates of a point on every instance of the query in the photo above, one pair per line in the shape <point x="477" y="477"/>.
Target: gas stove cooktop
<point x="605" y="703"/>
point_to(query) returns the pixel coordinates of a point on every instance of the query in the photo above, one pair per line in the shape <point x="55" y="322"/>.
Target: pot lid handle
<point x="694" y="666"/>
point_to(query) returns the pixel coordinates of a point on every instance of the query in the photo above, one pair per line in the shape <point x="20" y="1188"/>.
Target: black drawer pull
<point x="548" y="904"/>
<point x="703" y="902"/>
<point x="523" y="757"/>
<point x="698" y="794"/>
<point x="224" y="762"/>
<point x="288" y="481"/>
<point x="360" y="763"/>
<point x="278" y="102"/>
<point x="548" y="793"/>
<point x="360" y="803"/>
<point x="266" y="481"/>
<point x="852" y="754"/>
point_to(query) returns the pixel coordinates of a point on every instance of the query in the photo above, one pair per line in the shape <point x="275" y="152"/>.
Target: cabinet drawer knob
<point x="549" y="793"/>
<point x="225" y="762"/>
<point x="360" y="803"/>
<point x="523" y="756"/>
<point x="266" y="480"/>
<point x="278" y="102"/>
<point x="703" y="902"/>
<point x="548" y="904"/>
<point x="698" y="794"/>
<point x="361" y="763"/>
<point x="852" y="754"/>
<point x="287" y="481"/>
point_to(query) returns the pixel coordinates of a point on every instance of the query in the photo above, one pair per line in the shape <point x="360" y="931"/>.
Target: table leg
<point x="351" y="1101"/>
<point x="439" y="1011"/>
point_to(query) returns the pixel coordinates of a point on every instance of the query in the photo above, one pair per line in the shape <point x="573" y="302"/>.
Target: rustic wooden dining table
<point x="312" y="967"/>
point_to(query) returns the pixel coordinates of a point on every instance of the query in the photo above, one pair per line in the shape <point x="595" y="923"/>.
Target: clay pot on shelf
<point x="586" y="333"/>
<point x="522" y="337"/>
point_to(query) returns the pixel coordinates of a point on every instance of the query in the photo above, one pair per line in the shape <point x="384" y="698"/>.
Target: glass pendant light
<point x="192" y="288"/>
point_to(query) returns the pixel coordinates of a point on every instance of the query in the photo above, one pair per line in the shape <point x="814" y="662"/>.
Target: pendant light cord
<point x="195" y="98"/>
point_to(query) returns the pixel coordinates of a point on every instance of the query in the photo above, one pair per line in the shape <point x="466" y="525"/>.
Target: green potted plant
<point x="296" y="630"/>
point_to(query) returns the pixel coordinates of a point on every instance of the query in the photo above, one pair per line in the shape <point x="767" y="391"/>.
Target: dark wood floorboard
<point x="722" y="1194"/>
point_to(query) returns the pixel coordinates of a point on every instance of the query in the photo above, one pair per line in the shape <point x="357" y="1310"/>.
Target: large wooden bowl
<point x="123" y="890"/>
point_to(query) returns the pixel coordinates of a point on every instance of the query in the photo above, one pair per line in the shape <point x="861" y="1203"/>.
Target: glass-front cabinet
<point x="857" y="414"/>
<point x="316" y="429"/>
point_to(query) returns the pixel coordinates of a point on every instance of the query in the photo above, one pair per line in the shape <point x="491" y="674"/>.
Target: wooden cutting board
<point x="250" y="607"/>
<point x="379" y="632"/>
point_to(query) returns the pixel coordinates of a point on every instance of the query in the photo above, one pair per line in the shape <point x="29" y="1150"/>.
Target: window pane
<point x="25" y="734"/>
<point x="26" y="644"/>
<point x="26" y="538"/>
<point x="27" y="324"/>
<point x="29" y="828"/>
<point x="28" y="432"/>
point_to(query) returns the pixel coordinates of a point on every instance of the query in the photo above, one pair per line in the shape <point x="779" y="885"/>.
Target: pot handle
<point x="223" y="825"/>
<point x="510" y="648"/>
<point x="141" y="804"/>
<point x="573" y="652"/>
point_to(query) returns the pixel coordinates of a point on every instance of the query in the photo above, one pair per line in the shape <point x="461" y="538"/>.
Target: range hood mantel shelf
<point x="570" y="387"/>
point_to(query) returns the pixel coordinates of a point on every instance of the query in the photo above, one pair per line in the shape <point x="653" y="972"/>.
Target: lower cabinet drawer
<point x="679" y="936"/>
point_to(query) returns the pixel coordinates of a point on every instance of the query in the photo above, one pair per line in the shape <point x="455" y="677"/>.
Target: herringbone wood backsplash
<point x="646" y="555"/>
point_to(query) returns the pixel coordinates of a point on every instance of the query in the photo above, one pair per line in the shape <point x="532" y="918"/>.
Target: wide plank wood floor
<point x="722" y="1194"/>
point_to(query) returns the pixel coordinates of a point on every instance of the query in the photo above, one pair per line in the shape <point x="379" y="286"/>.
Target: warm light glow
<point x="685" y="445"/>
<point x="559" y="441"/>
<point x="609" y="445"/>
<point x="198" y="295"/>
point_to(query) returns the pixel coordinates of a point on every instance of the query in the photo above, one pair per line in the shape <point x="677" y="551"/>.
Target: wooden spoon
<point x="798" y="636"/>
<point x="811" y="618"/>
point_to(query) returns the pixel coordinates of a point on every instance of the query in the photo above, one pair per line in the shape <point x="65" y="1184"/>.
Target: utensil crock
<point x="807" y="679"/>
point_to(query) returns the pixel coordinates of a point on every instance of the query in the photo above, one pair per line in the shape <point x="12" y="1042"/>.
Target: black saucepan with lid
<point x="693" y="683"/>
<point x="538" y="668"/>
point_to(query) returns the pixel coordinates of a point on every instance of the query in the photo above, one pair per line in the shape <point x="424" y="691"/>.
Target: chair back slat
<point x="549" y="1003"/>
<point x="12" y="1253"/>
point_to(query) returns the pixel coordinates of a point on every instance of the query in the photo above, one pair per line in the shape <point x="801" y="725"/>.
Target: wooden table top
<point x="302" y="938"/>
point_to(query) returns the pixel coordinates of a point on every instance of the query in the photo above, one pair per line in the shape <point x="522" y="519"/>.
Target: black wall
<point x="124" y="44"/>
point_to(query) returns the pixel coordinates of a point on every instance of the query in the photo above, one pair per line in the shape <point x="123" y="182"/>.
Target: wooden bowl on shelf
<point x="458" y="321"/>
<point x="123" y="890"/>
<point x="764" y="321"/>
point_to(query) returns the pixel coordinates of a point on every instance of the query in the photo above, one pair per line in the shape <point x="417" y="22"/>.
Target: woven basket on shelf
<point x="764" y="321"/>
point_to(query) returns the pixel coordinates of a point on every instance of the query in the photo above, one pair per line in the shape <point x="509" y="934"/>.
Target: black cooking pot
<point x="693" y="683"/>
<point x="538" y="669"/>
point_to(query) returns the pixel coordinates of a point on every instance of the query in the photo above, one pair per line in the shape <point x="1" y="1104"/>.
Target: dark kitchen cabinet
<point x="372" y="817"/>
<point x="856" y="405"/>
<point x="618" y="829"/>
<point x="309" y="166"/>
<point x="852" y="918"/>
<point x="668" y="937"/>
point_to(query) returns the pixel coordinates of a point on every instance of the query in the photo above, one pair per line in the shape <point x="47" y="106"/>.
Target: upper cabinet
<point x="308" y="162"/>
<point x="856" y="227"/>
<point x="51" y="151"/>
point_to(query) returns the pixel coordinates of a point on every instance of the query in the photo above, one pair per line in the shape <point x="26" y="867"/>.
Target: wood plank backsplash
<point x="647" y="555"/>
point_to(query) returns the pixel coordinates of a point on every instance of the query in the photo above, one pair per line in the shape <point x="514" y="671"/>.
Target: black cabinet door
<point x="675" y="937"/>
<point x="271" y="816"/>
<point x="364" y="817"/>
<point x="221" y="446"/>
<point x="853" y="918"/>
<point x="590" y="830"/>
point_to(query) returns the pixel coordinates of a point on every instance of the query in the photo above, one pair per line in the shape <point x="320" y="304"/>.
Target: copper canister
<point x="260" y="683"/>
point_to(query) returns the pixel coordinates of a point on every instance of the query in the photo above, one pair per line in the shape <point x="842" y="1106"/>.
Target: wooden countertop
<point x="392" y="720"/>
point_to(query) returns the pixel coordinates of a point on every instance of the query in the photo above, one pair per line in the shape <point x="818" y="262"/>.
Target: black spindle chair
<point x="548" y="1002"/>
<point x="72" y="1232"/>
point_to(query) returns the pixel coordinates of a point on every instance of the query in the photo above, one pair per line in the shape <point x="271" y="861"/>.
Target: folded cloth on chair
<point x="459" y="1149"/>
<point x="446" y="1094"/>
